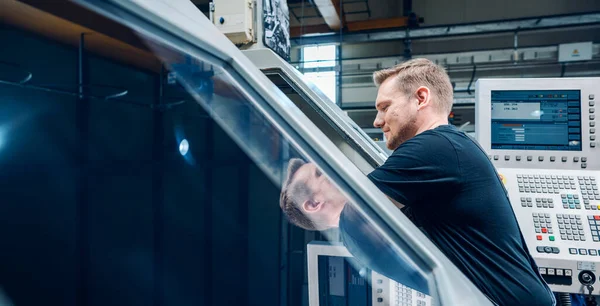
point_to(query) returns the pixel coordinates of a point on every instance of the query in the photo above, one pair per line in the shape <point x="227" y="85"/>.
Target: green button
<point x="551" y="238"/>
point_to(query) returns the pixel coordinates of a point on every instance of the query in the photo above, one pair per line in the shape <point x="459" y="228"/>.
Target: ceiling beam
<point x="330" y="10"/>
<point x="491" y="27"/>
<point x="352" y="26"/>
<point x="377" y="24"/>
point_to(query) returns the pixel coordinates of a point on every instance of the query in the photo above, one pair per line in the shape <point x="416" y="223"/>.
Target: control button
<point x="379" y="290"/>
<point x="591" y="97"/>
<point x="583" y="165"/>
<point x="518" y="157"/>
<point x="560" y="272"/>
<point x="496" y="157"/>
<point x="584" y="159"/>
<point x="379" y="300"/>
<point x="573" y="251"/>
<point x="555" y="250"/>
<point x="540" y="249"/>
<point x="541" y="158"/>
<point x="568" y="272"/>
<point x="592" y="103"/>
<point x="592" y="110"/>
<point x="551" y="271"/>
<point x="592" y="123"/>
<point x="592" y="137"/>
<point x="582" y="252"/>
<point x="380" y="281"/>
<point x="592" y="252"/>
<point x="552" y="158"/>
<point x="543" y="271"/>
<point x="564" y="158"/>
<point x="575" y="159"/>
<point x="592" y="131"/>
<point x="506" y="157"/>
<point x="539" y="237"/>
<point x="529" y="158"/>
<point x="592" y="144"/>
<point x="551" y="238"/>
<point x="592" y="117"/>
<point x="544" y="230"/>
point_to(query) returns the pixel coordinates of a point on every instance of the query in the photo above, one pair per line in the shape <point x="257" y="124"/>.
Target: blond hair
<point x="421" y="72"/>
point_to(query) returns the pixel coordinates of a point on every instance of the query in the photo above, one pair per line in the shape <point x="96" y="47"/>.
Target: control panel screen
<point x="536" y="120"/>
<point x="340" y="284"/>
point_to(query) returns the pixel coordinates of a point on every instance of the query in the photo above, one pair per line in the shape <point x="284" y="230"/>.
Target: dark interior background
<point x="98" y="206"/>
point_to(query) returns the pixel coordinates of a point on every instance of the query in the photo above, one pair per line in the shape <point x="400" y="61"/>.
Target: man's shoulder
<point x="430" y="141"/>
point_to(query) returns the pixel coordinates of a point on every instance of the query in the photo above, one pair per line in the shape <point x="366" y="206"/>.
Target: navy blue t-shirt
<point x="453" y="193"/>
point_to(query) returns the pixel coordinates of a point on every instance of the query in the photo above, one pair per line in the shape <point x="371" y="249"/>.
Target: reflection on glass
<point x="134" y="173"/>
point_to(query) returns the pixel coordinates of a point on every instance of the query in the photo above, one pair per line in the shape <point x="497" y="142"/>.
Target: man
<point x="449" y="188"/>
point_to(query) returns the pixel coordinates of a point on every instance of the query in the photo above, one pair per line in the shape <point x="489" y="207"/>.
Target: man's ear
<point x="311" y="206"/>
<point x="423" y="95"/>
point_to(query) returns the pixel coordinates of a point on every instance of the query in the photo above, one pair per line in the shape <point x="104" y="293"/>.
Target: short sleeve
<point x="420" y="172"/>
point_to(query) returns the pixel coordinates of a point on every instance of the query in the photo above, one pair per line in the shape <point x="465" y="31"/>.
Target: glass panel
<point x="319" y="56"/>
<point x="143" y="169"/>
<point x="325" y="81"/>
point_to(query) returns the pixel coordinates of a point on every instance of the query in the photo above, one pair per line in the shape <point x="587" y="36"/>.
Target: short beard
<point x="408" y="131"/>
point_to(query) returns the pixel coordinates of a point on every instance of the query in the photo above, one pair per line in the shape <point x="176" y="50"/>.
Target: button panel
<point x="588" y="187"/>
<point x="545" y="184"/>
<point x="570" y="227"/>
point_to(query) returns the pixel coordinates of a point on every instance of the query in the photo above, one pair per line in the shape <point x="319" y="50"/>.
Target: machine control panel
<point x="559" y="215"/>
<point x="336" y="279"/>
<point x="541" y="136"/>
<point x="387" y="292"/>
<point x="539" y="123"/>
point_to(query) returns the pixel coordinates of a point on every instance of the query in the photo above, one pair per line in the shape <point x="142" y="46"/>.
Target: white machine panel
<point x="343" y="289"/>
<point x="541" y="136"/>
<point x="560" y="222"/>
<point x="235" y="19"/>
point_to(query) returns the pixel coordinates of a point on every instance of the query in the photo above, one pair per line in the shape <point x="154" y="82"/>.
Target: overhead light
<point x="184" y="147"/>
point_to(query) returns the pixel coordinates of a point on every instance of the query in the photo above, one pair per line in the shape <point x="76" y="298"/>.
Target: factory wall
<point x="100" y="207"/>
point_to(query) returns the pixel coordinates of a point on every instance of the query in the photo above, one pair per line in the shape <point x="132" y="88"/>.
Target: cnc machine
<point x="541" y="136"/>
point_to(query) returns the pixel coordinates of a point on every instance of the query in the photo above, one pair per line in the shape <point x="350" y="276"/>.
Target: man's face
<point x="396" y="114"/>
<point x="327" y="200"/>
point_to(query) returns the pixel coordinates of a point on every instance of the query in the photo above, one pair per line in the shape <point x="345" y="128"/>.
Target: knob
<point x="221" y="20"/>
<point x="587" y="277"/>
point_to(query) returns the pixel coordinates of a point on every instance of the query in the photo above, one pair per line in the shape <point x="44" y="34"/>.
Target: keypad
<point x="594" y="223"/>
<point x="544" y="203"/>
<point x="403" y="295"/>
<point x="570" y="227"/>
<point x="543" y="225"/>
<point x="545" y="184"/>
<point x="589" y="191"/>
<point x="570" y="201"/>
<point x="526" y="202"/>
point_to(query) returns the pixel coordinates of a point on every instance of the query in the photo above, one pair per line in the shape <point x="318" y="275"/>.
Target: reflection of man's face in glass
<point x="325" y="201"/>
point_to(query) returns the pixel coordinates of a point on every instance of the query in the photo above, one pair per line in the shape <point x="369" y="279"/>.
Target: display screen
<point x="536" y="120"/>
<point x="341" y="284"/>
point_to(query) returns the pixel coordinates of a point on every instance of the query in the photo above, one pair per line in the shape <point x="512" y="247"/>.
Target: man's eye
<point x="385" y="108"/>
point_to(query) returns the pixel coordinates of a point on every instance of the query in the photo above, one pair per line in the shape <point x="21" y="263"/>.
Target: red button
<point x="539" y="237"/>
<point x="544" y="230"/>
<point x="597" y="217"/>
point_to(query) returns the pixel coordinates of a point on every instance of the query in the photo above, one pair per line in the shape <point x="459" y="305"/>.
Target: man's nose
<point x="378" y="123"/>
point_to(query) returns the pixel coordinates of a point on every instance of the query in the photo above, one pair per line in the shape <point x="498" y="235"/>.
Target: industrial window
<point x="319" y="67"/>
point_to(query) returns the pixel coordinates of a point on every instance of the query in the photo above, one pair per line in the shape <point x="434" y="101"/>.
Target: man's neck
<point x="432" y="124"/>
